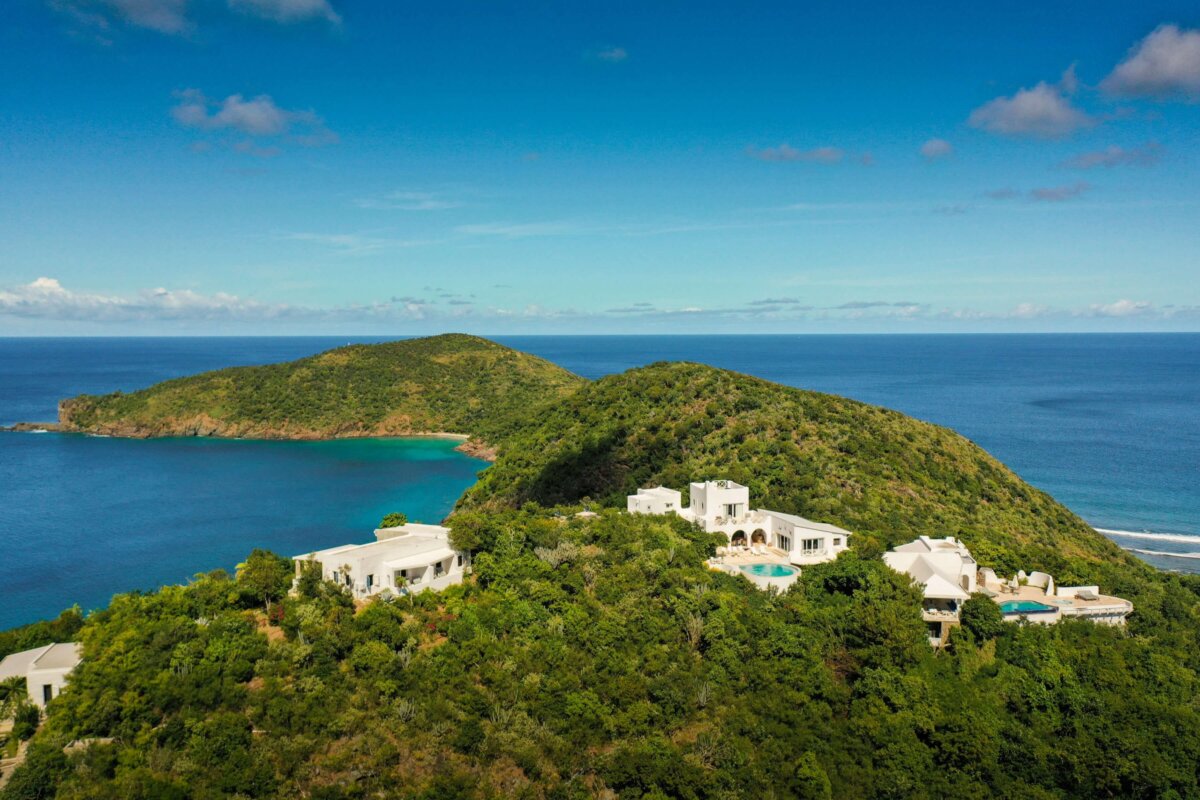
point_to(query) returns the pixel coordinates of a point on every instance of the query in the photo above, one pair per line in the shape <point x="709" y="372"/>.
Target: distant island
<point x="450" y="384"/>
<point x="595" y="653"/>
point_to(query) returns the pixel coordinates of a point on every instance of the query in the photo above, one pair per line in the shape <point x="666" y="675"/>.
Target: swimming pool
<point x="770" y="570"/>
<point x="1025" y="607"/>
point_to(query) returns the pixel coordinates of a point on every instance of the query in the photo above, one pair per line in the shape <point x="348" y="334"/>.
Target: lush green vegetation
<point x="452" y="383"/>
<point x="393" y="520"/>
<point x="600" y="657"/>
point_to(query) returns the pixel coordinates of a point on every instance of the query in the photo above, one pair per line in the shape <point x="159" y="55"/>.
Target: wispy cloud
<point x="1058" y="194"/>
<point x="785" y="152"/>
<point x="258" y="117"/>
<point x="103" y="19"/>
<point x="354" y="244"/>
<point x="936" y="149"/>
<point x="522" y="230"/>
<point x="287" y="12"/>
<point x="1116" y="156"/>
<point x="408" y="201"/>
<point x="611" y="55"/>
<point x="1163" y="65"/>
<point x="1043" y="111"/>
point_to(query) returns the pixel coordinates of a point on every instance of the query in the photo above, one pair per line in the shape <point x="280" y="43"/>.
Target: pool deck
<point x="734" y="559"/>
<point x="1103" y="605"/>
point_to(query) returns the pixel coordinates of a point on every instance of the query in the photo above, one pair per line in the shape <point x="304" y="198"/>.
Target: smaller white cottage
<point x="45" y="669"/>
<point x="405" y="559"/>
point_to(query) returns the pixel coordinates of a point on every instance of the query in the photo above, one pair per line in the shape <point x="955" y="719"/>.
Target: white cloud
<point x="1122" y="308"/>
<point x="785" y="152"/>
<point x="259" y="116"/>
<point x="47" y="298"/>
<point x="1164" y="64"/>
<point x="287" y="11"/>
<point x="1043" y="111"/>
<point x="936" y="148"/>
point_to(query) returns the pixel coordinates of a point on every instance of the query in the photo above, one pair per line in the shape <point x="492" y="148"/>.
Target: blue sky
<point x="316" y="166"/>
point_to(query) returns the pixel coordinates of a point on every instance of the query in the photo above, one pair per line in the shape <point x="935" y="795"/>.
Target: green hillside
<point x="873" y="471"/>
<point x="451" y="383"/>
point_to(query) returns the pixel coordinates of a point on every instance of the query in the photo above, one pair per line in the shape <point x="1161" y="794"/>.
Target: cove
<point x="121" y="514"/>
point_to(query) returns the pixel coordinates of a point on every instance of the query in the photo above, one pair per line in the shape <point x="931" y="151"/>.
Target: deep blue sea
<point x="1108" y="424"/>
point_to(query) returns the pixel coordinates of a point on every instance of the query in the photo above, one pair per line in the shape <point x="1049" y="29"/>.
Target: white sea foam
<point x="1163" y="553"/>
<point x="1182" y="538"/>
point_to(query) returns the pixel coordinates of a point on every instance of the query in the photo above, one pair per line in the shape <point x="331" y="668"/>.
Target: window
<point x="438" y="569"/>
<point x="370" y="582"/>
<point x="47" y="692"/>
<point x="812" y="545"/>
<point x="837" y="541"/>
<point x="785" y="543"/>
<point x="460" y="559"/>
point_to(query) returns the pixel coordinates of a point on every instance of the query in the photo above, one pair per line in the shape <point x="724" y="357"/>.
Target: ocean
<point x="1108" y="424"/>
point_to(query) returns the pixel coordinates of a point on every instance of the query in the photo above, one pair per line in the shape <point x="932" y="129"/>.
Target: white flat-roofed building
<point x="724" y="506"/>
<point x="405" y="559"/>
<point x="659" y="500"/>
<point x="45" y="669"/>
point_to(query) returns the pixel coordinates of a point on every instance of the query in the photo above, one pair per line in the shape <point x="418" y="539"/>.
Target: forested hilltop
<point x="451" y="383"/>
<point x="877" y="472"/>
<point x="598" y="656"/>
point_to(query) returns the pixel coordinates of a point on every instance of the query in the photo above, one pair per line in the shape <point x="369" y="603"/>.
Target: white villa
<point x="45" y="669"/>
<point x="725" y="506"/>
<point x="949" y="575"/>
<point x="405" y="559"/>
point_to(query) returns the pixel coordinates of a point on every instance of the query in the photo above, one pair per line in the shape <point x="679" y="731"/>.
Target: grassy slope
<point x="454" y="383"/>
<point x="874" y="471"/>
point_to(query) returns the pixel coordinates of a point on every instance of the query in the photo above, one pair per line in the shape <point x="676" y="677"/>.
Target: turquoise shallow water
<point x="83" y="517"/>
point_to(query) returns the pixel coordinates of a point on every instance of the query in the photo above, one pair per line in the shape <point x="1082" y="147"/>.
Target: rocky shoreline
<point x="210" y="428"/>
<point x="32" y="427"/>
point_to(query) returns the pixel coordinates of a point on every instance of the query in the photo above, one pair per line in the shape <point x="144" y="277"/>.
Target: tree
<point x="393" y="520"/>
<point x="264" y="576"/>
<point x="809" y="780"/>
<point x="981" y="617"/>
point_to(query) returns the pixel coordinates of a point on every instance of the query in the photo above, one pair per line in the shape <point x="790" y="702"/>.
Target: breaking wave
<point x="1182" y="538"/>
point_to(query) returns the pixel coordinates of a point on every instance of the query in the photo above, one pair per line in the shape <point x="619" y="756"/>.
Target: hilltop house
<point x="948" y="575"/>
<point x="724" y="506"/>
<point x="408" y="558"/>
<point x="45" y="669"/>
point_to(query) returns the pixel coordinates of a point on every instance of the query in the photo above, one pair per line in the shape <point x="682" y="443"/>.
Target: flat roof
<point x="801" y="522"/>
<point x="401" y="545"/>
